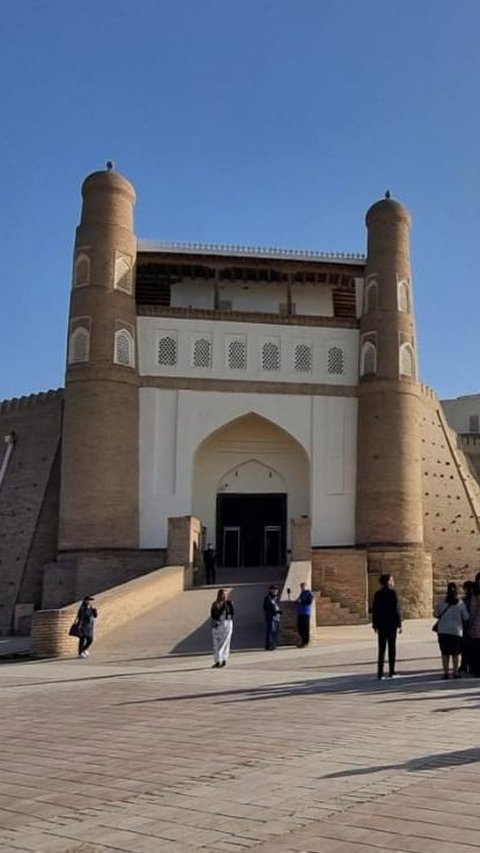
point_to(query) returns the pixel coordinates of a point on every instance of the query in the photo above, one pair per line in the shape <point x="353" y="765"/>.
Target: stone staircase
<point x="331" y="612"/>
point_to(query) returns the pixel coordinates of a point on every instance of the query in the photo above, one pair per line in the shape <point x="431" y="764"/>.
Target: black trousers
<point x="303" y="628"/>
<point x="84" y="643"/>
<point x="210" y="573"/>
<point x="387" y="638"/>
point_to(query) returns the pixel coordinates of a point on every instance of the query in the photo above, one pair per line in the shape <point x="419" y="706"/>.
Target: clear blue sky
<point x="274" y="122"/>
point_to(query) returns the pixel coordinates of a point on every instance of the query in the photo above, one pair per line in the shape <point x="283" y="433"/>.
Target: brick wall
<point x="115" y="607"/>
<point x="28" y="508"/>
<point x="341" y="573"/>
<point x="451" y="501"/>
<point x="75" y="575"/>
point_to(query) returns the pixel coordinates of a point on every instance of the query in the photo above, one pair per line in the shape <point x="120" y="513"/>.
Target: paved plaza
<point x="295" y="750"/>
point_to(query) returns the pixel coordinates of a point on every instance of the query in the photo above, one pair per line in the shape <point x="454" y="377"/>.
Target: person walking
<point x="465" y="667"/>
<point x="272" y="613"/>
<point x="304" y="611"/>
<point x="87" y="613"/>
<point x="209" y="561"/>
<point x="451" y="614"/>
<point x="474" y="628"/>
<point x="386" y="621"/>
<point x="221" y="613"/>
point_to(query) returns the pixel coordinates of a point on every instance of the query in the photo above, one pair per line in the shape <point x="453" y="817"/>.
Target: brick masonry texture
<point x="28" y="504"/>
<point x="116" y="607"/>
<point x="341" y="573"/>
<point x="451" y="501"/>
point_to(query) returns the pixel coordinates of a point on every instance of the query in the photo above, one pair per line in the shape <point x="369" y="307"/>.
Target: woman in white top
<point x="221" y="614"/>
<point x="452" y="615"/>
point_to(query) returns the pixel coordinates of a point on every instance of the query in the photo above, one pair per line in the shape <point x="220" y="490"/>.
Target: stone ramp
<point x="182" y="625"/>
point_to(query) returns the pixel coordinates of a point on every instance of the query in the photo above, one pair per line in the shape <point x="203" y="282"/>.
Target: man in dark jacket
<point x="272" y="618"/>
<point x="386" y="621"/>
<point x="209" y="561"/>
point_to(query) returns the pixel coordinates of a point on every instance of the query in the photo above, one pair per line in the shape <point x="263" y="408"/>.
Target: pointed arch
<point x="368" y="359"/>
<point x="249" y="455"/>
<point x="407" y="361"/>
<point x="124" y="350"/>
<point x="79" y="346"/>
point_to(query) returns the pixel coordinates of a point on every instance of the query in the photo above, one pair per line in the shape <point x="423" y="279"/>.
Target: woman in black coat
<point x="386" y="621"/>
<point x="86" y="616"/>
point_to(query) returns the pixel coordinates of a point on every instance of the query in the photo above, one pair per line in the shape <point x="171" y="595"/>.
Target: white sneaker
<point x="86" y="654"/>
<point x="83" y="654"/>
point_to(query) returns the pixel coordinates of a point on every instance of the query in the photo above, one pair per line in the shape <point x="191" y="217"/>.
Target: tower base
<point x="412" y="570"/>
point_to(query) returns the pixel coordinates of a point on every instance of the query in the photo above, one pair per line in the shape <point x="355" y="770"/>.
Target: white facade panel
<point x="314" y="456"/>
<point x="152" y="330"/>
<point x="312" y="300"/>
<point x="463" y="413"/>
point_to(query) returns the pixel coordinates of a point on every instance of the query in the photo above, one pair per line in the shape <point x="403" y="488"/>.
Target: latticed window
<point x="79" y="349"/>
<point x="237" y="355"/>
<point x="403" y="296"/>
<point x="407" y="360"/>
<point x="368" y="359"/>
<point x="270" y="357"/>
<point x="202" y="353"/>
<point x="123" y="274"/>
<point x="335" y="361"/>
<point x="81" y="274"/>
<point x="303" y="358"/>
<point x="123" y="348"/>
<point x="167" y="351"/>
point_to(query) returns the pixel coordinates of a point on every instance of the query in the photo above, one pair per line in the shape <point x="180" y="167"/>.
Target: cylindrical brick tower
<point x="389" y="516"/>
<point x="99" y="486"/>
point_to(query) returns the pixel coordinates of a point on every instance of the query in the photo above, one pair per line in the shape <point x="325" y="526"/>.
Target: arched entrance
<point x="250" y="477"/>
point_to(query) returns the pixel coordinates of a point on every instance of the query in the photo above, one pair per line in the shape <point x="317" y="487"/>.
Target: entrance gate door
<point x="251" y="529"/>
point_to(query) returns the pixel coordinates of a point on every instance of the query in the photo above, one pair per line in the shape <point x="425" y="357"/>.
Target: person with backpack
<point x="451" y="615"/>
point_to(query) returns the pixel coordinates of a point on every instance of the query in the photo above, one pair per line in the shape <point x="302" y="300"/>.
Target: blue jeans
<point x="271" y="632"/>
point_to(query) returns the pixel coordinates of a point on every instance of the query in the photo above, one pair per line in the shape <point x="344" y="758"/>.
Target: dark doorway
<point x="251" y="530"/>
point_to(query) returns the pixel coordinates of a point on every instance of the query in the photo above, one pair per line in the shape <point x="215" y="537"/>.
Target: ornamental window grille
<point x="303" y="358"/>
<point x="123" y="274"/>
<point x="167" y="351"/>
<point x="79" y="348"/>
<point x="403" y="301"/>
<point x="81" y="271"/>
<point x="202" y="353"/>
<point x="237" y="355"/>
<point x="336" y="361"/>
<point x="368" y="359"/>
<point x="270" y="356"/>
<point x="123" y="350"/>
<point x="407" y="360"/>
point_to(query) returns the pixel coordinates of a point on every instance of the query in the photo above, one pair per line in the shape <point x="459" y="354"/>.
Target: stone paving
<point x="293" y="751"/>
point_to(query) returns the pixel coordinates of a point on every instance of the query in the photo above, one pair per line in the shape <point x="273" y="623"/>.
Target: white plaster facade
<point x="463" y="413"/>
<point x="151" y="330"/>
<point x="307" y="442"/>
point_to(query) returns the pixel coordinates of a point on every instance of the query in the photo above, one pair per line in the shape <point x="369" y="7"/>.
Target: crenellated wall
<point x="28" y="501"/>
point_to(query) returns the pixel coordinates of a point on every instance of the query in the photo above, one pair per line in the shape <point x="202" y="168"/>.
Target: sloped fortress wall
<point x="28" y="501"/>
<point x="450" y="497"/>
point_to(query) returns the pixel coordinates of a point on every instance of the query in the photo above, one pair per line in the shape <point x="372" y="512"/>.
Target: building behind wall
<point x="260" y="391"/>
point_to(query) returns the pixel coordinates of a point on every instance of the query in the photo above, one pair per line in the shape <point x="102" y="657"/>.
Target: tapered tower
<point x="99" y="488"/>
<point x="389" y="520"/>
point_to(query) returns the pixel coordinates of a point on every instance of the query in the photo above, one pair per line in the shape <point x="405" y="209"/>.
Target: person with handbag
<point x="221" y="613"/>
<point x="451" y="615"/>
<point x="86" y="616"/>
<point x="386" y="621"/>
